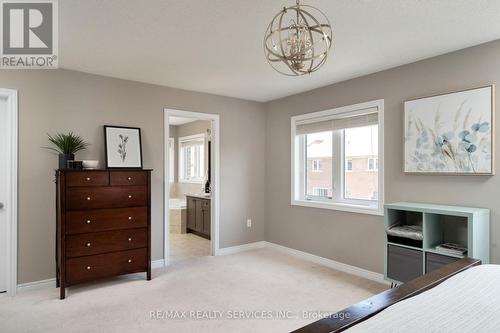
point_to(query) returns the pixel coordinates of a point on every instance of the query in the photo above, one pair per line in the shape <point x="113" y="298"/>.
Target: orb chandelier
<point x="298" y="40"/>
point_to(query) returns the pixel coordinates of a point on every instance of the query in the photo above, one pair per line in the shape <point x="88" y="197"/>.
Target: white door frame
<point x="10" y="207"/>
<point x="215" y="202"/>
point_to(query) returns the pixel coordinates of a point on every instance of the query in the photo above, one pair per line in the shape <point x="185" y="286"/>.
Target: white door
<point x="4" y="188"/>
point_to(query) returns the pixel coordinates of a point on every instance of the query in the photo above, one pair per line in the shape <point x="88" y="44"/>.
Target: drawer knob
<point x="129" y="261"/>
<point x="130" y="218"/>
<point x="88" y="198"/>
<point x="88" y="244"/>
<point x="87" y="178"/>
<point x="130" y="239"/>
<point x="129" y="178"/>
<point x="130" y="196"/>
<point x="88" y="221"/>
<point x="88" y="268"/>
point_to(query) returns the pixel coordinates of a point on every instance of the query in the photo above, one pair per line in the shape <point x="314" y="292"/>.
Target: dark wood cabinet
<point x="199" y="216"/>
<point x="191" y="214"/>
<point x="103" y="224"/>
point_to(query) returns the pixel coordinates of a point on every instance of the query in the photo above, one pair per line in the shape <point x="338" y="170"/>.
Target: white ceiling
<point x="215" y="46"/>
<point x="175" y="121"/>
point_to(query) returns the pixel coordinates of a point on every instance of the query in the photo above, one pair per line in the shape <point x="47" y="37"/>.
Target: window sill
<point x="339" y="206"/>
<point x="191" y="181"/>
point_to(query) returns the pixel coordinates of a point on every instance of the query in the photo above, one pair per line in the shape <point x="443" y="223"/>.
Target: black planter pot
<point x="63" y="160"/>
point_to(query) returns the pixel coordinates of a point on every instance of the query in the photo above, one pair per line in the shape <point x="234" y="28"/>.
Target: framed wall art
<point x="451" y="133"/>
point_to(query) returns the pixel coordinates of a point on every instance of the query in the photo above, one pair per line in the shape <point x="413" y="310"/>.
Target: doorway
<point x="8" y="191"/>
<point x="191" y="223"/>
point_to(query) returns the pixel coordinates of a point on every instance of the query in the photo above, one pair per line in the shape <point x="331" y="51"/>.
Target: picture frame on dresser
<point x="123" y="147"/>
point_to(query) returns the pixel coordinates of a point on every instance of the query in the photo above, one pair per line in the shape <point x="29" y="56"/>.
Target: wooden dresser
<point x="103" y="224"/>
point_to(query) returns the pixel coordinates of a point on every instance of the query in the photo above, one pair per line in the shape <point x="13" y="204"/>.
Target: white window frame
<point x="375" y="164"/>
<point x="171" y="152"/>
<point x="180" y="168"/>
<point x="298" y="197"/>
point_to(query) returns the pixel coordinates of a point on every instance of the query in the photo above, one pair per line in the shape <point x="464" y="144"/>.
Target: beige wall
<point x="356" y="239"/>
<point x="62" y="100"/>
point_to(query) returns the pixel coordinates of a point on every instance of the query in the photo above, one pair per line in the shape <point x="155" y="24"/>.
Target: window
<point x="320" y="192"/>
<point x="192" y="159"/>
<point x="348" y="164"/>
<point x="373" y="164"/>
<point x="345" y="145"/>
<point x="316" y="165"/>
<point x="171" y="152"/>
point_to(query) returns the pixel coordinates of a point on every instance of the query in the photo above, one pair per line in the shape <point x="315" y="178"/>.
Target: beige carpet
<point x="262" y="281"/>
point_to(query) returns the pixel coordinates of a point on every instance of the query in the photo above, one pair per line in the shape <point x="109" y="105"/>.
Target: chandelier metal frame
<point x="303" y="45"/>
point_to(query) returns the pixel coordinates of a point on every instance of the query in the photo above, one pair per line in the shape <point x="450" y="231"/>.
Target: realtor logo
<point x="29" y="34"/>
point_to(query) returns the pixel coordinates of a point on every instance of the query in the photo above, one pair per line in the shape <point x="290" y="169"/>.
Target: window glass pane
<point x="192" y="160"/>
<point x="348" y="165"/>
<point x="319" y="164"/>
<point x="361" y="149"/>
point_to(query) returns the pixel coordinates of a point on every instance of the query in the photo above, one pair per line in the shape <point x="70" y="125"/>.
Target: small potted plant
<point x="66" y="145"/>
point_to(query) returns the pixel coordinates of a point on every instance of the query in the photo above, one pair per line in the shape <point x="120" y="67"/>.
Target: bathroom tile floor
<point x="185" y="246"/>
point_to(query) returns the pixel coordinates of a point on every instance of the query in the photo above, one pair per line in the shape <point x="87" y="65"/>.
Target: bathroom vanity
<point x="199" y="215"/>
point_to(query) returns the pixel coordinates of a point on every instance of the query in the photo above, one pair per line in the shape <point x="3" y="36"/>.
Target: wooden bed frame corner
<point x="348" y="317"/>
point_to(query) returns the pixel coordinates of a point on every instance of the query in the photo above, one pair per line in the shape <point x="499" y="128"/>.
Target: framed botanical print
<point x="123" y="147"/>
<point x="451" y="133"/>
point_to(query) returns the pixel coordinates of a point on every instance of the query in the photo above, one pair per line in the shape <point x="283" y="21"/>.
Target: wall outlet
<point x="249" y="223"/>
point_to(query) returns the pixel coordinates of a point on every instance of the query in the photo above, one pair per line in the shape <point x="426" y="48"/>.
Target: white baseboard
<point x="51" y="283"/>
<point x="160" y="263"/>
<point x="377" y="277"/>
<point x="240" y="248"/>
<point x="35" y="285"/>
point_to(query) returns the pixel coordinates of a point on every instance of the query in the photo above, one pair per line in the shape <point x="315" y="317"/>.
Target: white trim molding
<point x="160" y="263"/>
<point x="51" y="283"/>
<point x="339" y="266"/>
<point x="241" y="248"/>
<point x="11" y="206"/>
<point x="36" y="285"/>
<point x="215" y="158"/>
<point x="369" y="275"/>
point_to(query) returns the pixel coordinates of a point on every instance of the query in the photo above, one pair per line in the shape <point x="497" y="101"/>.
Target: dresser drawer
<point x="87" y="178"/>
<point x="106" y="197"/>
<point x="78" y="222"/>
<point x="104" y="265"/>
<point x="105" y="241"/>
<point x="128" y="178"/>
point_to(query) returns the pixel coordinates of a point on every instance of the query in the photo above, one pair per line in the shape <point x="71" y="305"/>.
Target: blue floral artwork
<point x="450" y="133"/>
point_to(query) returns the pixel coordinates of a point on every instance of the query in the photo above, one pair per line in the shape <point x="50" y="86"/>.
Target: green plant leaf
<point x="67" y="143"/>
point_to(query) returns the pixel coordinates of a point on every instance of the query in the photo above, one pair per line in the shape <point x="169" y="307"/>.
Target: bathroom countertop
<point x="199" y="195"/>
